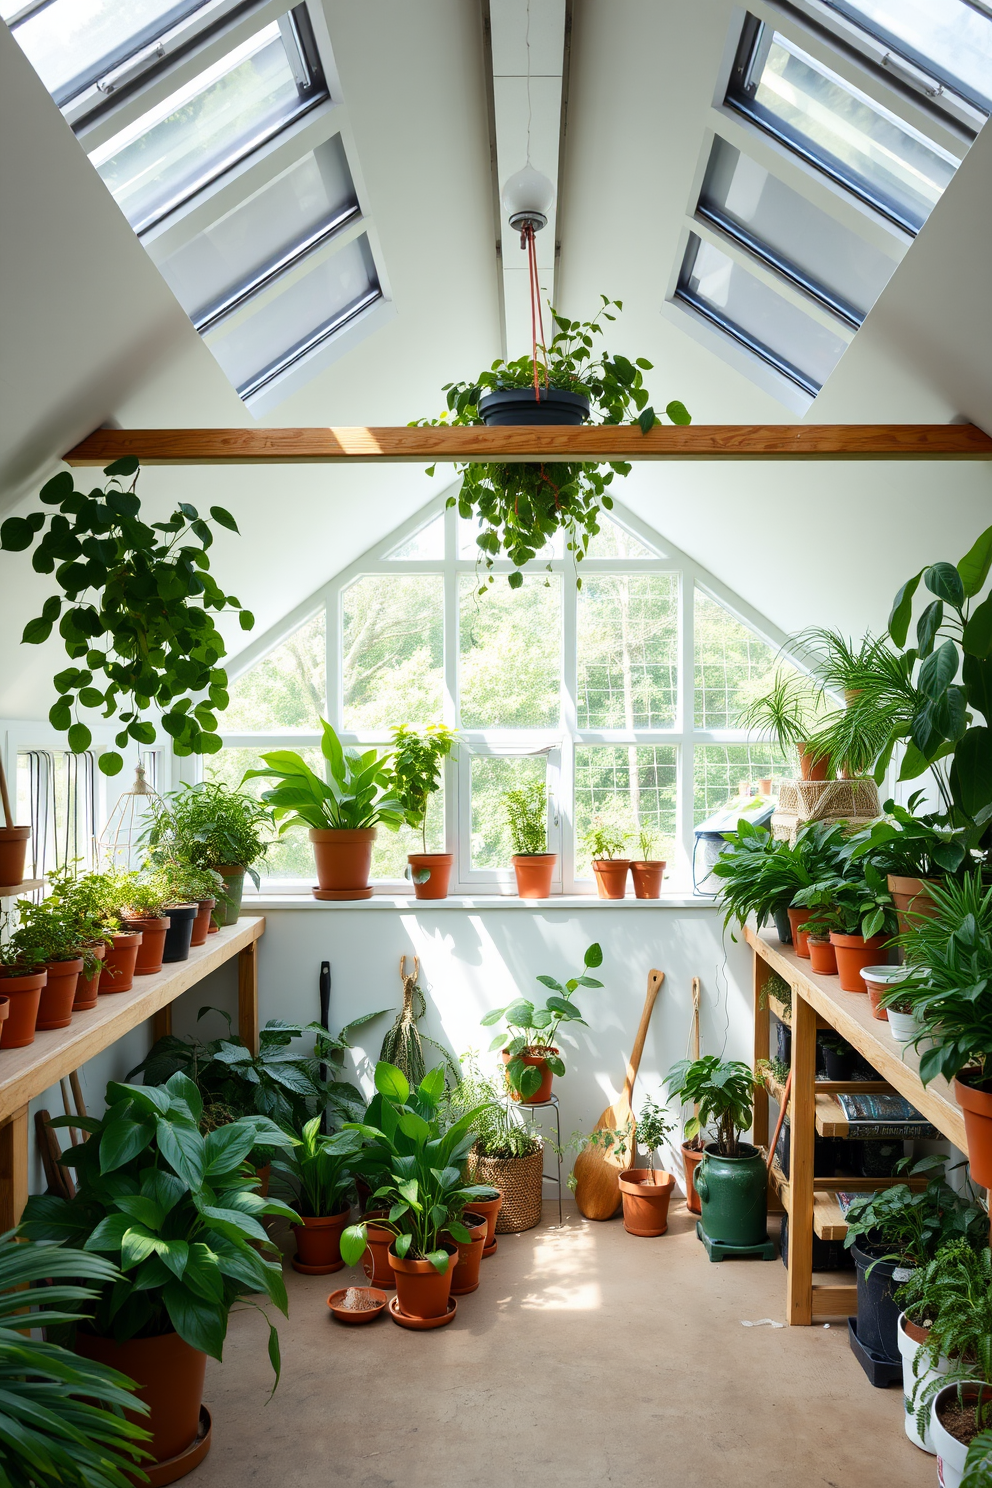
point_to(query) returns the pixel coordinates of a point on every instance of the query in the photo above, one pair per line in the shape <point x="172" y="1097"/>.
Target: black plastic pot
<point x="828" y="1255"/>
<point x="783" y="1042"/>
<point x="180" y="931"/>
<point x="519" y="406"/>
<point x="780" y="914"/>
<point x="878" y="1314"/>
<point x="839" y="1065"/>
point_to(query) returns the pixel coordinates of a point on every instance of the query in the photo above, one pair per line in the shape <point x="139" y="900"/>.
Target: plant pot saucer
<point x="342" y="893"/>
<point x="172" y="1468"/>
<point x="420" y="1325"/>
<point x="350" y="1315"/>
<point x="490" y="1249"/>
<point x="298" y="1265"/>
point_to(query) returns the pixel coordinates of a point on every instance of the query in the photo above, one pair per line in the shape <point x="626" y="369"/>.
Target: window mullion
<point x="684" y="806"/>
<point x="569" y="716"/>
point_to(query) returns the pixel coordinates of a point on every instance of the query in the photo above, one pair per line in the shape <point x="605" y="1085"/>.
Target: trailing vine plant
<point x="520" y="506"/>
<point x="134" y="608"/>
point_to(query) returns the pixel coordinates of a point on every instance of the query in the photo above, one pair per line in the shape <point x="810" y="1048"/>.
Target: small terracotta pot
<point x="691" y="1157"/>
<point x="880" y="980"/>
<point x="375" y="1261"/>
<point x="229" y="908"/>
<point x="421" y="1291"/>
<point x="977" y="1108"/>
<point x="648" y="878"/>
<point x="813" y="767"/>
<point x="489" y="1209"/>
<point x="4" y="1007"/>
<point x="465" y="1276"/>
<point x="876" y="991"/>
<point x="646" y="1194"/>
<point x="853" y="952"/>
<point x="611" y="877"/>
<point x="912" y="899"/>
<point x="438" y="865"/>
<point x="800" y="940"/>
<point x="88" y="988"/>
<point x="318" y="1241"/>
<point x="344" y="862"/>
<point x="58" y="994"/>
<point x="534" y="872"/>
<point x="542" y="1094"/>
<point x="154" y="929"/>
<point x="169" y="1375"/>
<point x="118" y="963"/>
<point x="201" y="925"/>
<point x="13" y="851"/>
<point x="24" y="995"/>
<point x="353" y="1316"/>
<point x="822" y="957"/>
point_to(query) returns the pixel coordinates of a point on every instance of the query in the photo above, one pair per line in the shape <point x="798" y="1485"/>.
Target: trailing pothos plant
<point x="521" y="506"/>
<point x="133" y="613"/>
<point x="532" y="1030"/>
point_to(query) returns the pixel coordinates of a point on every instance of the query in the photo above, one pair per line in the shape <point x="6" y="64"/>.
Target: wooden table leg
<point x="762" y="1019"/>
<point x="13" y="1169"/>
<point x="162" y="1022"/>
<point x="801" y="1136"/>
<point x="248" y="996"/>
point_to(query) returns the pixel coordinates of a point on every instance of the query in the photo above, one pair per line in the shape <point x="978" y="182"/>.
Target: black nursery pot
<point x="839" y="1065"/>
<point x="519" y="406"/>
<point x="878" y="1314"/>
<point x="180" y="931"/>
<point x="780" y="914"/>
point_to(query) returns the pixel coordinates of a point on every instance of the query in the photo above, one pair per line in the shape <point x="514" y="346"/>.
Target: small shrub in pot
<point x="731" y="1180"/>
<point x="526" y="812"/>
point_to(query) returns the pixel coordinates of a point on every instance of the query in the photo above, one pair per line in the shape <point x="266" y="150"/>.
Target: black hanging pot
<point x="519" y="406"/>
<point x="180" y="931"/>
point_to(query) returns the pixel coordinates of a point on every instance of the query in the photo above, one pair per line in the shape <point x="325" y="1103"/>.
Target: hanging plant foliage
<point x="133" y="612"/>
<point x="521" y="506"/>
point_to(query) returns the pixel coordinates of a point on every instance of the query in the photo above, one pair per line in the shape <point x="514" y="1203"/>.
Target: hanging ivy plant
<point x="134" y="608"/>
<point x="521" y="506"/>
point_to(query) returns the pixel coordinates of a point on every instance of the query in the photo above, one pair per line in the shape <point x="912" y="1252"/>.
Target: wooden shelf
<point x="11" y="891"/>
<point x="782" y="1013"/>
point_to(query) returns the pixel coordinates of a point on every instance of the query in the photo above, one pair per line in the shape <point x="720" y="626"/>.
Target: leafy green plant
<point x="911" y="845"/>
<point x="526" y="812"/>
<point x="47" y="933"/>
<point x="210" y="826"/>
<point x="355" y="795"/>
<point x="83" y="899"/>
<point x="135" y="605"/>
<point x="605" y="840"/>
<point x="951" y="1296"/>
<point x="849" y="904"/>
<point x="188" y="885"/>
<point x="61" y="1415"/>
<point x="788" y="710"/>
<point x="497" y="1130"/>
<point x="521" y="506"/>
<point x="176" y="1211"/>
<point x="130" y="893"/>
<point x="318" y="1169"/>
<point x="653" y="1126"/>
<point x="724" y="1092"/>
<point x="647" y="844"/>
<point x="533" y="1030"/>
<point x="910" y="1225"/>
<point x="759" y="875"/>
<point x="415" y="771"/>
<point x="849" y="737"/>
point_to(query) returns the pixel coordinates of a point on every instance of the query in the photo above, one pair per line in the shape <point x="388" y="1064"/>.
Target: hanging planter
<point x="549" y="405"/>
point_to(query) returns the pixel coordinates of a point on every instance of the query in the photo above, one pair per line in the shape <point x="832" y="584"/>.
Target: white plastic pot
<point x="951" y="1454"/>
<point x="908" y="1349"/>
<point x="903" y="1026"/>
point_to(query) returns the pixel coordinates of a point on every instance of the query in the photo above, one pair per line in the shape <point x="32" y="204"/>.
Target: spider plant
<point x="788" y="710"/>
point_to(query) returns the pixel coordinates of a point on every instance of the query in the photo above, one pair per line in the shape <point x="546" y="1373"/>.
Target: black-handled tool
<point x="325" y="1012"/>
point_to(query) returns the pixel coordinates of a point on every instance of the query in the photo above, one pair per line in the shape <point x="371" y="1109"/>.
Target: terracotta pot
<point x="812" y="767"/>
<point x="465" y="1276"/>
<point x="853" y="952"/>
<point x="13" y="851"/>
<point x="87" y="988"/>
<point x="534" y="873"/>
<point x="375" y="1261"/>
<point x="797" y="919"/>
<point x="229" y="908"/>
<point x="169" y="1375"/>
<point x="438" y="865"/>
<point x="178" y="937"/>
<point x="24" y="995"/>
<point x="154" y="929"/>
<point x="58" y="994"/>
<point x="201" y="925"/>
<point x="765" y="785"/>
<point x="822" y="957"/>
<point x="647" y="878"/>
<point x="646" y="1194"/>
<point x="263" y="1175"/>
<point x="542" y="1094"/>
<point x="4" y="1008"/>
<point x="691" y="1157"/>
<point x="977" y="1107"/>
<point x="489" y="1209"/>
<point x="611" y="877"/>
<point x="318" y="1240"/>
<point x="912" y="899"/>
<point x="118" y="963"/>
<point x="344" y="862"/>
<point x="421" y="1291"/>
<point x="878" y="981"/>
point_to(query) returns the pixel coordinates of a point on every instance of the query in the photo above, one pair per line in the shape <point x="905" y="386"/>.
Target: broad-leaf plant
<point x="531" y="1029"/>
<point x="357" y="792"/>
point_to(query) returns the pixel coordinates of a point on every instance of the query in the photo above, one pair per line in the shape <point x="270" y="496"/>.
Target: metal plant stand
<point x="517" y="1105"/>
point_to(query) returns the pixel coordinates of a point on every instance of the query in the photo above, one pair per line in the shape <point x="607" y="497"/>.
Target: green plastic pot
<point x="229" y="908"/>
<point x="734" y="1194"/>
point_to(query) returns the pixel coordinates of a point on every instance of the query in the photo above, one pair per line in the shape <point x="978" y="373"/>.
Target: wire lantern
<point x="136" y="809"/>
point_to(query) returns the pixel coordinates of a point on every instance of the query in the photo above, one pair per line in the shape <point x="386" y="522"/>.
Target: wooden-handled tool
<point x="597" y="1184"/>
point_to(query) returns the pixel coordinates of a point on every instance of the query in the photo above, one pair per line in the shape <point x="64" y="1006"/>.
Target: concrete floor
<point x="588" y="1357"/>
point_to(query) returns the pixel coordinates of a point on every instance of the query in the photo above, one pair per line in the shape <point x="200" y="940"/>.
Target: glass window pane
<point x="742" y="196"/>
<point x="261" y="231"/>
<point x="254" y="347"/>
<point x="426" y="544"/>
<point x="756" y="316"/>
<point x="392" y="649"/>
<point x="491" y="776"/>
<point x="389" y="852"/>
<point x="614" y="541"/>
<point x="733" y="665"/>
<point x="290" y="857"/>
<point x="950" y="39"/>
<point x="510" y="661"/>
<point x="633" y="788"/>
<point x="721" y="770"/>
<point x="286" y="689"/>
<point x="628" y="638"/>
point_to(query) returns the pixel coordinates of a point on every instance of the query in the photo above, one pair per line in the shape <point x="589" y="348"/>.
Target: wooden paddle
<point x="597" y="1184"/>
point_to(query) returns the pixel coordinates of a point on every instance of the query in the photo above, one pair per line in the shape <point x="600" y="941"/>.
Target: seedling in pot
<point x="532" y="1030"/>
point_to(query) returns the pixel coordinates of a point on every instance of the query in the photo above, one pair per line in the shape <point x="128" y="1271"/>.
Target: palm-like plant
<point x="788" y="710"/>
<point x="319" y="1168"/>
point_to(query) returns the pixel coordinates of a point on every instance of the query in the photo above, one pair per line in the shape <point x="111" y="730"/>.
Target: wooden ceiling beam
<point x="593" y="442"/>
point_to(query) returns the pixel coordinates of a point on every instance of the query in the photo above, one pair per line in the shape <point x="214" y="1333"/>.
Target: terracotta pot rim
<point x="858" y="942"/>
<point x="228" y="870"/>
<point x="203" y="904"/>
<point x="342" y="834"/>
<point x="414" y="1265"/>
<point x="643" y="1185"/>
<point x="117" y="935"/>
<point x="39" y="977"/>
<point x="14" y="834"/>
<point x="611" y="862"/>
<point x="66" y="968"/>
<point x="969" y="1097"/>
<point x="531" y="1053"/>
<point x="324" y="1221"/>
<point x="913" y="885"/>
<point x="534" y="857"/>
<point x="147" y="919"/>
<point x="418" y="857"/>
<point x="647" y="862"/>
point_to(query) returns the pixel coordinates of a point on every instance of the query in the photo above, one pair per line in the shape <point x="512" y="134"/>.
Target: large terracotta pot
<point x="854" y="952"/>
<point x="154" y="929"/>
<point x="542" y="1094"/>
<point x="344" y="862"/>
<point x="646" y="1195"/>
<point x="912" y="899"/>
<point x="24" y="993"/>
<point x="611" y="877"/>
<point x="375" y="1261"/>
<point x="201" y="925"/>
<point x="822" y="957"/>
<point x="648" y="878"/>
<point x="58" y="994"/>
<point x="813" y="767"/>
<point x="421" y="1290"/>
<point x="169" y="1375"/>
<point x="977" y="1107"/>
<point x="465" y="1276"/>
<point x="229" y="908"/>
<point x="119" y="962"/>
<point x="534" y="872"/>
<point x="691" y="1158"/>
<point x="438" y="866"/>
<point x="797" y="919"/>
<point x="88" y="988"/>
<point x="13" y="851"/>
<point x="318" y="1242"/>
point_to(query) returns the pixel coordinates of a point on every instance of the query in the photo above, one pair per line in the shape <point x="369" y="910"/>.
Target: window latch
<point x="918" y="80"/>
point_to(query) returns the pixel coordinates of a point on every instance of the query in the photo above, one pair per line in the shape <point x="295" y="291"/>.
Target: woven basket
<point x="821" y="800"/>
<point x="519" y="1181"/>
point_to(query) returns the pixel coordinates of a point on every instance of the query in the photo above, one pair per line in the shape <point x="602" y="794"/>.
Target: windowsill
<point x="474" y="902"/>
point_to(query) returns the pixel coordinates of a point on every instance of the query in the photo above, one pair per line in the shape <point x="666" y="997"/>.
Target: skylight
<point x="949" y="40"/>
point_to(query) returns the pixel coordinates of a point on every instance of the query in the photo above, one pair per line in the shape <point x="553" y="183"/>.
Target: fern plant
<point x="952" y="1296"/>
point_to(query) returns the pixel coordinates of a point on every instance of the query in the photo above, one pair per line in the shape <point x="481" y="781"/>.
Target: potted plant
<point x="528" y="1043"/>
<point x="80" y="900"/>
<point x="648" y="871"/>
<point x="176" y="1211"/>
<point x="341" y="812"/>
<point x="211" y="826"/>
<point x="789" y="711"/>
<point x="850" y="737"/>
<point x="526" y="812"/>
<point x="318" y="1170"/>
<point x="21" y="986"/>
<point x="200" y="888"/>
<point x="414" y="776"/>
<point x="606" y="841"/>
<point x="961" y="1427"/>
<point x="13" y="840"/>
<point x="731" y="1180"/>
<point x="139" y="901"/>
<point x="522" y="506"/>
<point x="48" y="939"/>
<point x="646" y="1191"/>
<point x="915" y="852"/>
<point x="855" y="911"/>
<point x="761" y="876"/>
<point x="506" y="1159"/>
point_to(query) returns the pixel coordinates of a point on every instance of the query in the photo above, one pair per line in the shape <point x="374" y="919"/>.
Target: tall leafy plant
<point x="209" y="825"/>
<point x="415" y="770"/>
<point x="723" y="1091"/>
<point x="356" y="793"/>
<point x="532" y="1030"/>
